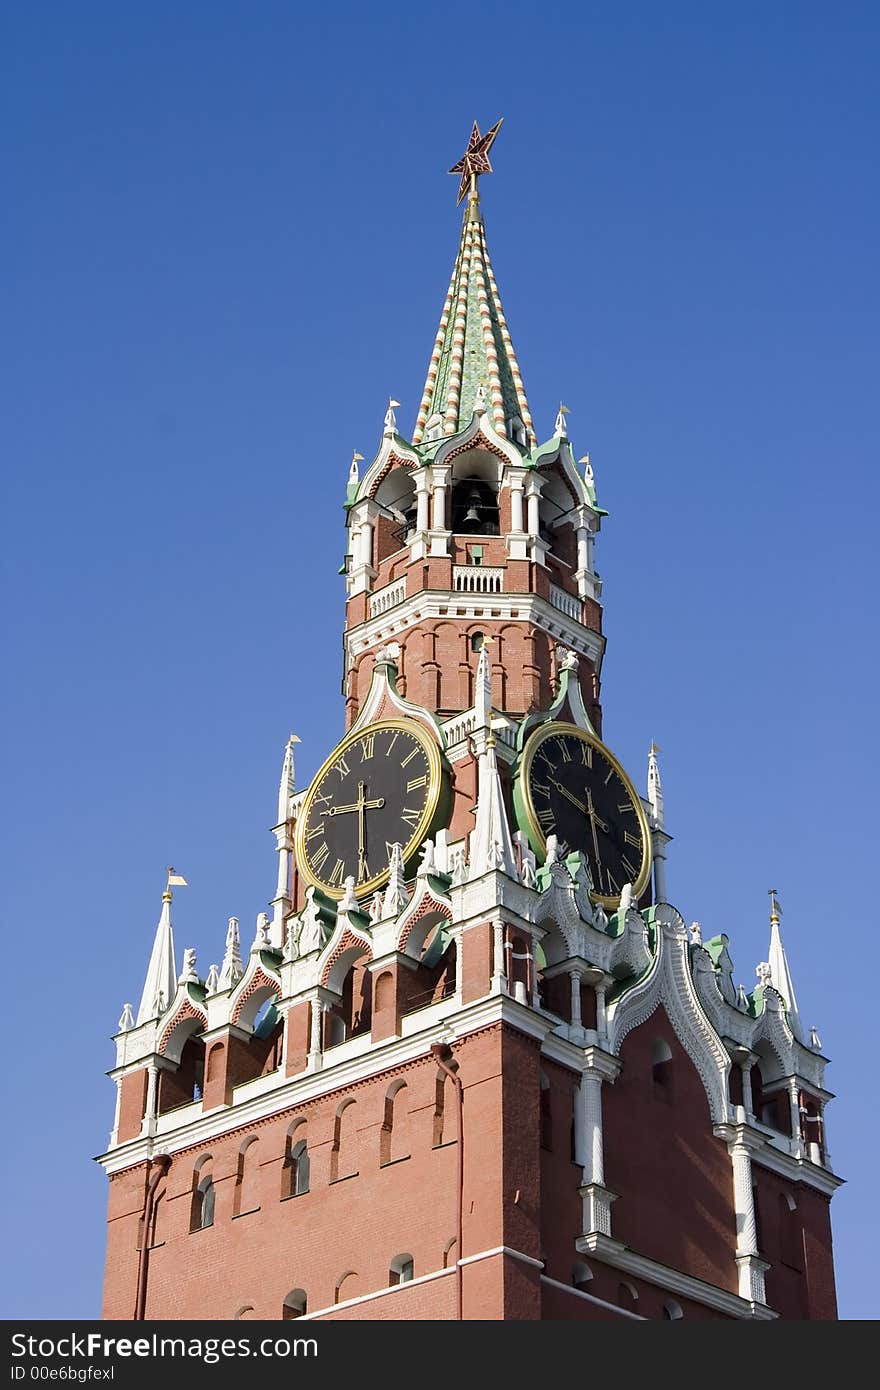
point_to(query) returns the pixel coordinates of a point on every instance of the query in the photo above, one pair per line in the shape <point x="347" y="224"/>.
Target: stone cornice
<point x="612" y="1252"/>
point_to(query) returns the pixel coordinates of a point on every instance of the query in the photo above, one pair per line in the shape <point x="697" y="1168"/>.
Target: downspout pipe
<point x="158" y="1168"/>
<point x="445" y="1059"/>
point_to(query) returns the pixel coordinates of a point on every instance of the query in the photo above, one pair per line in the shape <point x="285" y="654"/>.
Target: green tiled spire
<point x="473" y="348"/>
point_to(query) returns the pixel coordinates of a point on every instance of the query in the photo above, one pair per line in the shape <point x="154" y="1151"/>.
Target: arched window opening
<point x="335" y="1027"/>
<point x="581" y="1274"/>
<point x="156" y="1220"/>
<point x="401" y="1270"/>
<point x="438" y="967"/>
<point x="384" y="990"/>
<point x="791" y="1237"/>
<point x="519" y="968"/>
<point x="242" y="1314"/>
<point x="202" y="1204"/>
<point x="245" y="1197"/>
<point x="343" y="1154"/>
<point x="393" y="1139"/>
<point x="672" y="1311"/>
<point x="661" y="1066"/>
<point x="187" y="1082"/>
<point x="449" y="1253"/>
<point x="346" y="1286"/>
<point x="475" y="507"/>
<point x="398" y="514"/>
<point x="294" y="1305"/>
<point x="546" y="1114"/>
<point x="356" y="1006"/>
<point x="627" y="1296"/>
<point x="439" y="1108"/>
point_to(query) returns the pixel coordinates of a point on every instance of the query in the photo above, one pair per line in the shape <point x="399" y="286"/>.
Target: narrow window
<point x="401" y="1270"/>
<point x="294" y="1306"/>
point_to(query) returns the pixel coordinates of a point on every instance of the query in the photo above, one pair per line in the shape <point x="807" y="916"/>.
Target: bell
<point x="472" y="515"/>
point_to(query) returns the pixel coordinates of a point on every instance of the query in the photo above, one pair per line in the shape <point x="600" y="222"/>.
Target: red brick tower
<point x="474" y="1064"/>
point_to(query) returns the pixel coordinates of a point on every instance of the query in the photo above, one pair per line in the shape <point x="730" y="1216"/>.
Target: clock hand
<point x="568" y="795"/>
<point x="597" y="820"/>
<point x="375" y="804"/>
<point x="593" y="818"/>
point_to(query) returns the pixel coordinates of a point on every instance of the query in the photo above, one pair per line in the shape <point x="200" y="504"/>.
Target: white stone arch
<point x="180" y="1034"/>
<point x="333" y="978"/>
<point x="669" y="983"/>
<point x="254" y="1002"/>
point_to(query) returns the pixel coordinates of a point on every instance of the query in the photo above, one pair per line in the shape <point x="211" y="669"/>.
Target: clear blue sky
<point x="227" y="236"/>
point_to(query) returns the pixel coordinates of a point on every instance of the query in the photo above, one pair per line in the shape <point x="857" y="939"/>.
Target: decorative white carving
<point x="189" y="974"/>
<point x="212" y="983"/>
<point x="669" y="983"/>
<point x="126" y="1021"/>
<point x="396" y="896"/>
<point x="348" y="902"/>
<point x="232" y="969"/>
<point x="696" y="931"/>
<point x="426" y="865"/>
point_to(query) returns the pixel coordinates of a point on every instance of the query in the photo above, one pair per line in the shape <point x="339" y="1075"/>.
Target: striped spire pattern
<point x="473" y="346"/>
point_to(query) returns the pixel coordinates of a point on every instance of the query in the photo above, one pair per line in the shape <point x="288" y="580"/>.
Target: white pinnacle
<point x="655" y="790"/>
<point x="483" y="690"/>
<point x="396" y="896"/>
<point x="561" y="428"/>
<point x="232" y="969"/>
<point x="391" y="418"/>
<point x="162" y="971"/>
<point x="780" y="975"/>
<point x="491" y="844"/>
<point x="287" y="785"/>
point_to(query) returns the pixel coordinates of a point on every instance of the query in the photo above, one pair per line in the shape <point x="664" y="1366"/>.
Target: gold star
<point x="475" y="160"/>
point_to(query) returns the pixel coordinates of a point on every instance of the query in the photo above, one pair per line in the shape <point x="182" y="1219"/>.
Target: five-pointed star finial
<point x="475" y="160"/>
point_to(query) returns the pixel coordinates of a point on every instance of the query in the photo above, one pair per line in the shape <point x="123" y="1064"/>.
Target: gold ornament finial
<point x="775" y="906"/>
<point x="475" y="160"/>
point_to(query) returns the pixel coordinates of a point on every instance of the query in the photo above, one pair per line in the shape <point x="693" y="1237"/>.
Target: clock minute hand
<point x="569" y="796"/>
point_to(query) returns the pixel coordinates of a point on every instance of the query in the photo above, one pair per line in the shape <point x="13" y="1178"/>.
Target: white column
<point x="149" y="1124"/>
<point x="794" y="1107"/>
<point x="499" y="978"/>
<point x="601" y="1020"/>
<point x="534" y="514"/>
<point x="751" y="1267"/>
<point x="516" y="507"/>
<point x="583" y="545"/>
<point x="575" y="976"/>
<point x="748" y="1102"/>
<point x="658" y="847"/>
<point x="422" y="502"/>
<point x="439" y="522"/>
<point x="115" y="1130"/>
<point x="366" y="536"/>
<point x="590" y="1111"/>
<point x="315" y="1047"/>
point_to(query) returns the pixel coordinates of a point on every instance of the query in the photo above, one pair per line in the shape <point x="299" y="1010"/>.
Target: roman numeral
<point x="632" y="839"/>
<point x="542" y="788"/>
<point x="564" y="750"/>
<point x="320" y="859"/>
<point x="409" y="757"/>
<point x="342" y="767"/>
<point x="610" y="775"/>
<point x="417" y="782"/>
<point x="337" y="874"/>
<point x="633" y="873"/>
<point x="547" y="759"/>
<point x="587" y="754"/>
<point x="411" y="817"/>
<point x="363" y="871"/>
<point x="623" y="808"/>
<point x="367" y="747"/>
<point x="545" y="819"/>
<point x="313" y="834"/>
<point x="394" y="737"/>
<point x="389" y="849"/>
<point x="613" y="885"/>
<point x="322" y="798"/>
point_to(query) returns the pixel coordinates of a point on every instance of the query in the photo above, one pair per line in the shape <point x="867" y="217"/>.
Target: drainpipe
<point x="158" y="1168"/>
<point x="445" y="1059"/>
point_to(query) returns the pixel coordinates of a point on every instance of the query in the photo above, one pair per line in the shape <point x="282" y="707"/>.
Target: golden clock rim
<point x="533" y="743"/>
<point x="432" y="801"/>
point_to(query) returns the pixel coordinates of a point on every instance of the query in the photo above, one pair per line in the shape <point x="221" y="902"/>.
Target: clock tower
<point x="473" y="1063"/>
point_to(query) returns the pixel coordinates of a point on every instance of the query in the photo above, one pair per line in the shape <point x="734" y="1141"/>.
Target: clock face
<point x="379" y="787"/>
<point x="572" y="787"/>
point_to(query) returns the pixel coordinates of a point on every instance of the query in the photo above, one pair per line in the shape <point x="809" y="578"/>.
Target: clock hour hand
<point x="568" y="795"/>
<point x="375" y="804"/>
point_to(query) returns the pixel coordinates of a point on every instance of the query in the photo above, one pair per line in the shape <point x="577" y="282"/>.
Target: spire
<point x="780" y="975"/>
<point x="655" y="790"/>
<point x="287" y="785"/>
<point x="491" y="845"/>
<point x="473" y="344"/>
<point x="161" y="982"/>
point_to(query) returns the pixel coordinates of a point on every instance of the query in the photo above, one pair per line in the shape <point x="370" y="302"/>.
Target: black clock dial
<point x="380" y="787"/>
<point x="576" y="790"/>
